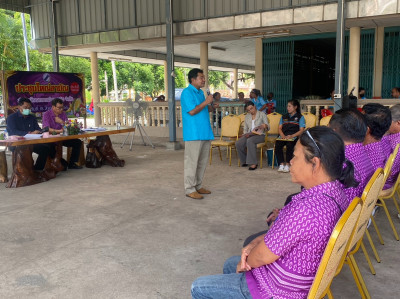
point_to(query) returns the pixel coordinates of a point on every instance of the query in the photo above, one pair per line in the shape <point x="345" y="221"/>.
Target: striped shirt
<point x="299" y="237"/>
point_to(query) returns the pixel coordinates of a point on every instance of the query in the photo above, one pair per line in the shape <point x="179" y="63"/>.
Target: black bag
<point x="93" y="159"/>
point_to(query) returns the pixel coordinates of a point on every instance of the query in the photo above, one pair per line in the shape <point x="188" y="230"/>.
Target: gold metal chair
<point x="368" y="199"/>
<point x="311" y="119"/>
<point x="273" y="133"/>
<point x="229" y="129"/>
<point x="389" y="193"/>
<point x="261" y="146"/>
<point x="242" y="117"/>
<point x="325" y="120"/>
<point x="335" y="251"/>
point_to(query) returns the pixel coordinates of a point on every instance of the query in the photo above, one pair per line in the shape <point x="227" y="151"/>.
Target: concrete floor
<point x="131" y="233"/>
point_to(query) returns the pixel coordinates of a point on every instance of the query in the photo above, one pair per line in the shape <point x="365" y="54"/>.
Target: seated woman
<point x="255" y="124"/>
<point x="291" y="126"/>
<point x="283" y="262"/>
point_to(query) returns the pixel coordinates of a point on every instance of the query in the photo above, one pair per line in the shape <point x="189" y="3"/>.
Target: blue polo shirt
<point x="195" y="127"/>
<point x="258" y="103"/>
<point x="19" y="125"/>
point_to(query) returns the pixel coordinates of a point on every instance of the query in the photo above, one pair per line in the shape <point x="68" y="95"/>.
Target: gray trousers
<point x="196" y="158"/>
<point x="251" y="145"/>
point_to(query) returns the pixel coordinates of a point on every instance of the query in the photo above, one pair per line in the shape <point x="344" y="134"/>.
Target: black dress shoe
<point x="245" y="165"/>
<point x="253" y="168"/>
<point x="74" y="166"/>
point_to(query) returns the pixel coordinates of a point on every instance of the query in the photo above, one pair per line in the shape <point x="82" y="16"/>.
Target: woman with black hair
<point x="291" y="126"/>
<point x="283" y="262"/>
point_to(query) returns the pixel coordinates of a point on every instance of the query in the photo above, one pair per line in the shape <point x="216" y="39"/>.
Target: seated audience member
<point x="241" y="97"/>
<point x="21" y="123"/>
<point x="392" y="139"/>
<point x="352" y="127"/>
<point x="361" y="93"/>
<point x="283" y="262"/>
<point x="378" y="119"/>
<point x="55" y="119"/>
<point x="257" y="99"/>
<point x="291" y="126"/>
<point x="396" y="92"/>
<point x="271" y="103"/>
<point x="257" y="122"/>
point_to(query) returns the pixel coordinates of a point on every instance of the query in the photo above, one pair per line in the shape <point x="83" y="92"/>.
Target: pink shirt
<point x="299" y="236"/>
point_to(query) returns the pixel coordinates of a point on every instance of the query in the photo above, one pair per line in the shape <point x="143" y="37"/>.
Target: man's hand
<point x="209" y="99"/>
<point x="243" y="266"/>
<point x="273" y="216"/>
<point x="59" y="120"/>
<point x="35" y="132"/>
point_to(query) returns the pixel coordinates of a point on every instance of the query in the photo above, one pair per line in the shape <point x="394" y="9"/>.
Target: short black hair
<point x="350" y="124"/>
<point x="327" y="145"/>
<point x="21" y="101"/>
<point x="257" y="92"/>
<point x="56" y="101"/>
<point x="193" y="73"/>
<point x="215" y="94"/>
<point x="249" y="103"/>
<point x="378" y="119"/>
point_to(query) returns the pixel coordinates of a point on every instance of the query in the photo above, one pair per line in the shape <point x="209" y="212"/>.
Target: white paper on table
<point x="33" y="136"/>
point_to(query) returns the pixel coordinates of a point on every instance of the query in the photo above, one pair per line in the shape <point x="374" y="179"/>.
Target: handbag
<point x="93" y="159"/>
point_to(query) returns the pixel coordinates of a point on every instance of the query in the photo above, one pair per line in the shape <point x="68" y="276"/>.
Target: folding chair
<point x="273" y="133"/>
<point x="335" y="251"/>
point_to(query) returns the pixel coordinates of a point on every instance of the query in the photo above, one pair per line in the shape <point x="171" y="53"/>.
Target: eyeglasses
<point x="313" y="140"/>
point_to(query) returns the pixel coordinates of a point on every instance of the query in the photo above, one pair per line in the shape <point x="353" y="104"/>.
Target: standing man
<point x="197" y="133"/>
<point x="55" y="119"/>
<point x="23" y="122"/>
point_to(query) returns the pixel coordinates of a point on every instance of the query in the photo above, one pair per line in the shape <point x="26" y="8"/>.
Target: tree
<point x="218" y="79"/>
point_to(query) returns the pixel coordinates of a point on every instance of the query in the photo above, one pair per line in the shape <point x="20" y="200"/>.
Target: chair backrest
<point x="389" y="163"/>
<point x="335" y="250"/>
<point x="242" y="116"/>
<point x="368" y="199"/>
<point x="274" y="119"/>
<point x="311" y="119"/>
<point x="230" y="126"/>
<point x="325" y="120"/>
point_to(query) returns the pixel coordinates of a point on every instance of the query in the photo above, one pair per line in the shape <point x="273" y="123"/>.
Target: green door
<point x="391" y="61"/>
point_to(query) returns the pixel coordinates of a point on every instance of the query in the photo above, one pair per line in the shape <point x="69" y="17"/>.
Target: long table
<point x="23" y="172"/>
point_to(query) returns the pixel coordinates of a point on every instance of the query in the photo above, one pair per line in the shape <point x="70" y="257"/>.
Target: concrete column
<point x="95" y="87"/>
<point x="378" y="61"/>
<point x="258" y="64"/>
<point x="235" y="83"/>
<point x="166" y="80"/>
<point x="204" y="62"/>
<point x="354" y="59"/>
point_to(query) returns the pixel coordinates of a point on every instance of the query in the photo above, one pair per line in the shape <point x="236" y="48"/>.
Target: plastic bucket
<point x="269" y="155"/>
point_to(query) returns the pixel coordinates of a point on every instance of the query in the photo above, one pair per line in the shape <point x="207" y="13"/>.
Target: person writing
<point x="55" y="119"/>
<point x="283" y="262"/>
<point x="255" y="124"/>
<point x="22" y="122"/>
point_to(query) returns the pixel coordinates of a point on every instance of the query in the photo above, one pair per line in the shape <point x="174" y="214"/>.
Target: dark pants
<point x="43" y="150"/>
<point x="76" y="149"/>
<point x="279" y="144"/>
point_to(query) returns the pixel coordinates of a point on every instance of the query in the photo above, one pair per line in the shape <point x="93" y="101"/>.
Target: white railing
<point x="315" y="106"/>
<point x="156" y="114"/>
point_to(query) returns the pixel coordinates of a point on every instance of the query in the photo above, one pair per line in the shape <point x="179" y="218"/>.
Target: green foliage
<point x="218" y="79"/>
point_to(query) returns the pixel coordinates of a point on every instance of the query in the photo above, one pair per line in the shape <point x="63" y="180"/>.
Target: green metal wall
<point x="278" y="62"/>
<point x="391" y="61"/>
<point x="278" y="57"/>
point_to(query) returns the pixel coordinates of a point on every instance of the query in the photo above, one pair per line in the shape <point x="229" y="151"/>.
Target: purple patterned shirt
<point x="49" y="120"/>
<point x="391" y="141"/>
<point x="363" y="169"/>
<point x="376" y="154"/>
<point x="299" y="237"/>
<point x="387" y="150"/>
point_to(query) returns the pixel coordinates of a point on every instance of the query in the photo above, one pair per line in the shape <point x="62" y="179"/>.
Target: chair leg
<point x="367" y="258"/>
<point x="273" y="157"/>
<point x="220" y="155"/>
<point x="261" y="157"/>
<point x="211" y="154"/>
<point x="383" y="204"/>
<point x="361" y="279"/>
<point x="230" y="155"/>
<point x="356" y="275"/>
<point x="396" y="204"/>
<point x="329" y="293"/>
<point x="371" y="243"/>
<point x="377" y="231"/>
